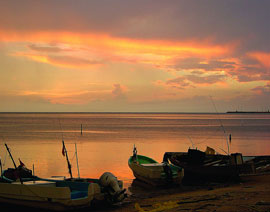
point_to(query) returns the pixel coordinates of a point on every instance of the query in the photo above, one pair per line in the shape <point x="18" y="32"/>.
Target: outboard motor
<point x="112" y="186"/>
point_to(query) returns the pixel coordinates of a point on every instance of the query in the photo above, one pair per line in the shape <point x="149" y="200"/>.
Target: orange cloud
<point x="118" y="46"/>
<point x="64" y="61"/>
<point x="193" y="81"/>
<point x="262" y="89"/>
<point x="66" y="97"/>
<point x="262" y="57"/>
<point x="78" y="97"/>
<point x="119" y="91"/>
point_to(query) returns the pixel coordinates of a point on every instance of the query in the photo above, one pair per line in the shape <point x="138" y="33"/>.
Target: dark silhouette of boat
<point x="200" y="167"/>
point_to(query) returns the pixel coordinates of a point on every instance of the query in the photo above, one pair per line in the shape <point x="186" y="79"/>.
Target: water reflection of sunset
<point x="107" y="140"/>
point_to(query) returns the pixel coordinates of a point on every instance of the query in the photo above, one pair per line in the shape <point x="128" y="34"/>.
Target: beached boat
<point x="200" y="167"/>
<point x="61" y="194"/>
<point x="150" y="171"/>
<point x="53" y="195"/>
<point x="19" y="187"/>
<point x="259" y="163"/>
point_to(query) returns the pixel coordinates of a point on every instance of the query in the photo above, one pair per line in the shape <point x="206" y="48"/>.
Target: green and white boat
<point x="150" y="171"/>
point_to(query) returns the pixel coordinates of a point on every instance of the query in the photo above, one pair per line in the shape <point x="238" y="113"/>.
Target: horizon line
<point x="113" y="112"/>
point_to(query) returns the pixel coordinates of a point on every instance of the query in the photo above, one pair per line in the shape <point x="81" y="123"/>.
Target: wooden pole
<point x="1" y="166"/>
<point x="11" y="156"/>
<point x="68" y="163"/>
<point x="77" y="160"/>
<point x="81" y="129"/>
<point x="34" y="172"/>
<point x="13" y="162"/>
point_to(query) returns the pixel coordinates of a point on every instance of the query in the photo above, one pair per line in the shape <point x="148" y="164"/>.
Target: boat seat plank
<point x="153" y="164"/>
<point x="37" y="183"/>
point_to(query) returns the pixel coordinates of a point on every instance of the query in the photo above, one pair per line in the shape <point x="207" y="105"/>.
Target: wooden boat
<point x="200" y="167"/>
<point x="61" y="195"/>
<point x="19" y="187"/>
<point x="150" y="171"/>
<point x="258" y="164"/>
<point x="52" y="195"/>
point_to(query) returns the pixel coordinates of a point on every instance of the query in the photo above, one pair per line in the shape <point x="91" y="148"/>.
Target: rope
<point x="211" y="135"/>
<point x="73" y="157"/>
<point x="4" y="163"/>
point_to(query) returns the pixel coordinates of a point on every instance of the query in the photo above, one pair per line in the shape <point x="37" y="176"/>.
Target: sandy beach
<point x="251" y="194"/>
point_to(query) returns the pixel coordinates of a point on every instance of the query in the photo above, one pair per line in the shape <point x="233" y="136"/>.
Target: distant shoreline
<point x="248" y="111"/>
<point x="111" y="113"/>
<point x="228" y="112"/>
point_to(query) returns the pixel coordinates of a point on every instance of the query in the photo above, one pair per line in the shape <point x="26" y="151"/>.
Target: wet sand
<point x="251" y="194"/>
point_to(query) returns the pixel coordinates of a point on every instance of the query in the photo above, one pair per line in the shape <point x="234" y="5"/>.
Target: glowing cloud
<point x="67" y="97"/>
<point x="58" y="60"/>
<point x="262" y="57"/>
<point x="148" y="51"/>
<point x="119" y="91"/>
<point x="88" y="55"/>
<point x="260" y="90"/>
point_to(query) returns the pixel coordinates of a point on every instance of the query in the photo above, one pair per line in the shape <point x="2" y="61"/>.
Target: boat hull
<point x="154" y="173"/>
<point x="212" y="173"/>
<point x="200" y="167"/>
<point x="47" y="195"/>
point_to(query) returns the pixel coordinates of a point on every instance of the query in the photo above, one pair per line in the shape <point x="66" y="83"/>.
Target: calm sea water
<point x="107" y="139"/>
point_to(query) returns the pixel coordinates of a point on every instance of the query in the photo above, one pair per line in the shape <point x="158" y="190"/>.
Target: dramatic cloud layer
<point x="134" y="55"/>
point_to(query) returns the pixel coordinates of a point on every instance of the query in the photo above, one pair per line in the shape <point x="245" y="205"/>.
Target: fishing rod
<point x="228" y="146"/>
<point x="191" y="142"/>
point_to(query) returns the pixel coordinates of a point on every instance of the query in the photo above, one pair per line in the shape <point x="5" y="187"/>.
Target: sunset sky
<point x="134" y="56"/>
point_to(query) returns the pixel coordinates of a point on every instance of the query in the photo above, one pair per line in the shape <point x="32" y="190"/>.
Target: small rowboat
<point x="150" y="171"/>
<point x="54" y="194"/>
<point x="61" y="195"/>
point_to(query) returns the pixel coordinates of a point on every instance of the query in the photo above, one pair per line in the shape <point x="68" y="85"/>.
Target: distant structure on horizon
<point x="248" y="111"/>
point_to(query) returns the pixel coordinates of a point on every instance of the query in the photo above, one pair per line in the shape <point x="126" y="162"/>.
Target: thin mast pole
<point x="13" y="162"/>
<point x="68" y="163"/>
<point x="1" y="166"/>
<point x="77" y="160"/>
<point x="81" y="129"/>
<point x="11" y="156"/>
